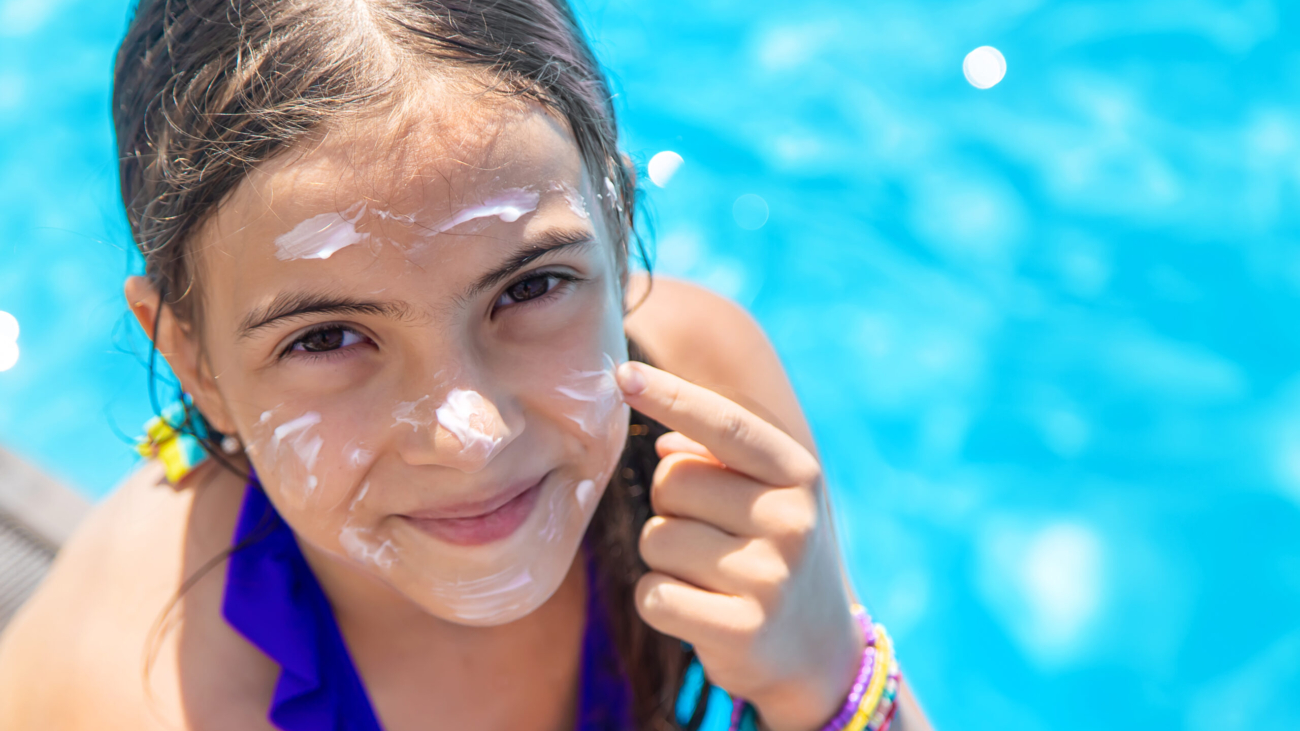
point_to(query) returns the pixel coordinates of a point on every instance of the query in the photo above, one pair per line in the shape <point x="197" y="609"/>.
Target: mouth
<point x="484" y="521"/>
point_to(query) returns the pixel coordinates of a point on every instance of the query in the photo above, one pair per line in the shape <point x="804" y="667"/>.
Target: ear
<point x="177" y="343"/>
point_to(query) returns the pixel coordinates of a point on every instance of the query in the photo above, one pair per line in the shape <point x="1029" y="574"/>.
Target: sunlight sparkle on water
<point x="663" y="166"/>
<point x="984" y="67"/>
<point x="8" y="341"/>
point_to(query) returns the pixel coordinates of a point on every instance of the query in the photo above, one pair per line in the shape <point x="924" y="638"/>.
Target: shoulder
<point x="89" y="628"/>
<point x="711" y="341"/>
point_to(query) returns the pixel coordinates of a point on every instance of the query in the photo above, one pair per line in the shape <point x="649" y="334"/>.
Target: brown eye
<point x="536" y="289"/>
<point x="325" y="340"/>
<point x="530" y="288"/>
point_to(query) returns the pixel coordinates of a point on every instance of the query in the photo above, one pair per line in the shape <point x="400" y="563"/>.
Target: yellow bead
<point x="879" y="675"/>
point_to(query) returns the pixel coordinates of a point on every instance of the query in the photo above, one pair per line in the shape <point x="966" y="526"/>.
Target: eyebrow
<point x="288" y="305"/>
<point x="550" y="242"/>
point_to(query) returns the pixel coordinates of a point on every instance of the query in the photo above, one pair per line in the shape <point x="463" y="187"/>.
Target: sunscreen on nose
<point x="467" y="416"/>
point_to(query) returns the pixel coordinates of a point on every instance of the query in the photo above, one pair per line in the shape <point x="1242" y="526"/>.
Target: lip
<point x="483" y="521"/>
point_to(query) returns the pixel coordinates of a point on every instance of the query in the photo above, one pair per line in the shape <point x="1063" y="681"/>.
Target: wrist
<point x="869" y="705"/>
<point x="812" y="701"/>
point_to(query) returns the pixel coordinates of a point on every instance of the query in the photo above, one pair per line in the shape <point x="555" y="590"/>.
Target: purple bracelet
<point x="864" y="673"/>
<point x="859" y="685"/>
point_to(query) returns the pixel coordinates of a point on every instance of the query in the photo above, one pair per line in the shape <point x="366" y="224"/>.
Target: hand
<point x="743" y="560"/>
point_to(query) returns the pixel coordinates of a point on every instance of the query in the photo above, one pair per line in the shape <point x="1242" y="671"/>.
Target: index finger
<point x="738" y="438"/>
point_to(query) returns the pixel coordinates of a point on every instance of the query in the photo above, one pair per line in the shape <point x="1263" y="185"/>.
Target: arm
<point x="714" y="343"/>
<point x="72" y="658"/>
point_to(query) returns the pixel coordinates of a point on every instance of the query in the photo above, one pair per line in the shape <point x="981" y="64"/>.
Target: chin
<point x="498" y="599"/>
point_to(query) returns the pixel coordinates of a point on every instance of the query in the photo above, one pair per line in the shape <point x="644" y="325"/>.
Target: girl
<point x="386" y="256"/>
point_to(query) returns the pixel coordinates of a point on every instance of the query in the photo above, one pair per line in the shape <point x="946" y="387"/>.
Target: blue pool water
<point x="1045" y="333"/>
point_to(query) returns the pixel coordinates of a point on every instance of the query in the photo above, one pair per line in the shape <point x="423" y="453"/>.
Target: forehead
<point x="430" y="153"/>
<point x="428" y="159"/>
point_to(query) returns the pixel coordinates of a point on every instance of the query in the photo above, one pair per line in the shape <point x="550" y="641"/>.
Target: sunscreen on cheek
<point x="594" y="396"/>
<point x="357" y="455"/>
<point x="503" y="579"/>
<point x="585" y="492"/>
<point x="360" y="542"/>
<point x="295" y="447"/>
<point x="414" y="413"/>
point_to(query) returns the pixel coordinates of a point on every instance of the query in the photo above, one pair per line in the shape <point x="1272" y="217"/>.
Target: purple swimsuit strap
<point x="272" y="598"/>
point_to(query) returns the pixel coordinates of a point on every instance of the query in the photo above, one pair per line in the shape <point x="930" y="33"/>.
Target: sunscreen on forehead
<point x="509" y="205"/>
<point x="320" y="237"/>
<point x="576" y="202"/>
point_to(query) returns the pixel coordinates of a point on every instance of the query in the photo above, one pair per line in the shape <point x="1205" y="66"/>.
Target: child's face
<point x="413" y="325"/>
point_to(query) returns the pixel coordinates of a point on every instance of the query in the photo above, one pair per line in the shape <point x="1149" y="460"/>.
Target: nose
<point x="456" y="427"/>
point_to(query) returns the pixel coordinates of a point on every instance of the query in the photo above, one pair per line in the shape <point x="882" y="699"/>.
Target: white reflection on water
<point x="1046" y="583"/>
<point x="663" y="166"/>
<point x="8" y="341"/>
<point x="984" y="67"/>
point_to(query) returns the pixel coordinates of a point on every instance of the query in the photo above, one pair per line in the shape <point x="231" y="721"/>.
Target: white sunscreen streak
<point x="576" y="202"/>
<point x="305" y="445"/>
<point x="360" y="546"/>
<point x="599" y="393"/>
<point x="360" y="543"/>
<point x="586" y="493"/>
<point x="320" y="237"/>
<point x="465" y="415"/>
<point x="359" y="456"/>
<point x="405" y="413"/>
<point x="488" y="597"/>
<point x="509" y="206"/>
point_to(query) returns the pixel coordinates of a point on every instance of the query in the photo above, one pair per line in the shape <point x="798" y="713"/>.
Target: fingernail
<point x="630" y="379"/>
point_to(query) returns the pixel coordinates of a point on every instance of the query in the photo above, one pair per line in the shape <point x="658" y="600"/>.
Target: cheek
<point x="590" y="398"/>
<point x="569" y="378"/>
<point x="307" y="459"/>
<point x="584" y="403"/>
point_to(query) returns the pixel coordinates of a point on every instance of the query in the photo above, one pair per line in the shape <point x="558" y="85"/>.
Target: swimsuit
<point x="272" y="598"/>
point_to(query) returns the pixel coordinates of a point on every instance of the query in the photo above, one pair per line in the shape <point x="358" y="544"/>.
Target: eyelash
<point x="292" y="351"/>
<point x="551" y="293"/>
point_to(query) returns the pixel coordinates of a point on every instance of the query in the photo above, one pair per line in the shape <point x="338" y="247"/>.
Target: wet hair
<point x="206" y="90"/>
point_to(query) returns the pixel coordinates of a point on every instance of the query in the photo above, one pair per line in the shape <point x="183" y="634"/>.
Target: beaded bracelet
<point x="865" y="672"/>
<point x="884" y="714"/>
<point x="871" y="699"/>
<point x="870" y="704"/>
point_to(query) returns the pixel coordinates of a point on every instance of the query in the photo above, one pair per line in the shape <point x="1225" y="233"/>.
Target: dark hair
<point x="205" y="90"/>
